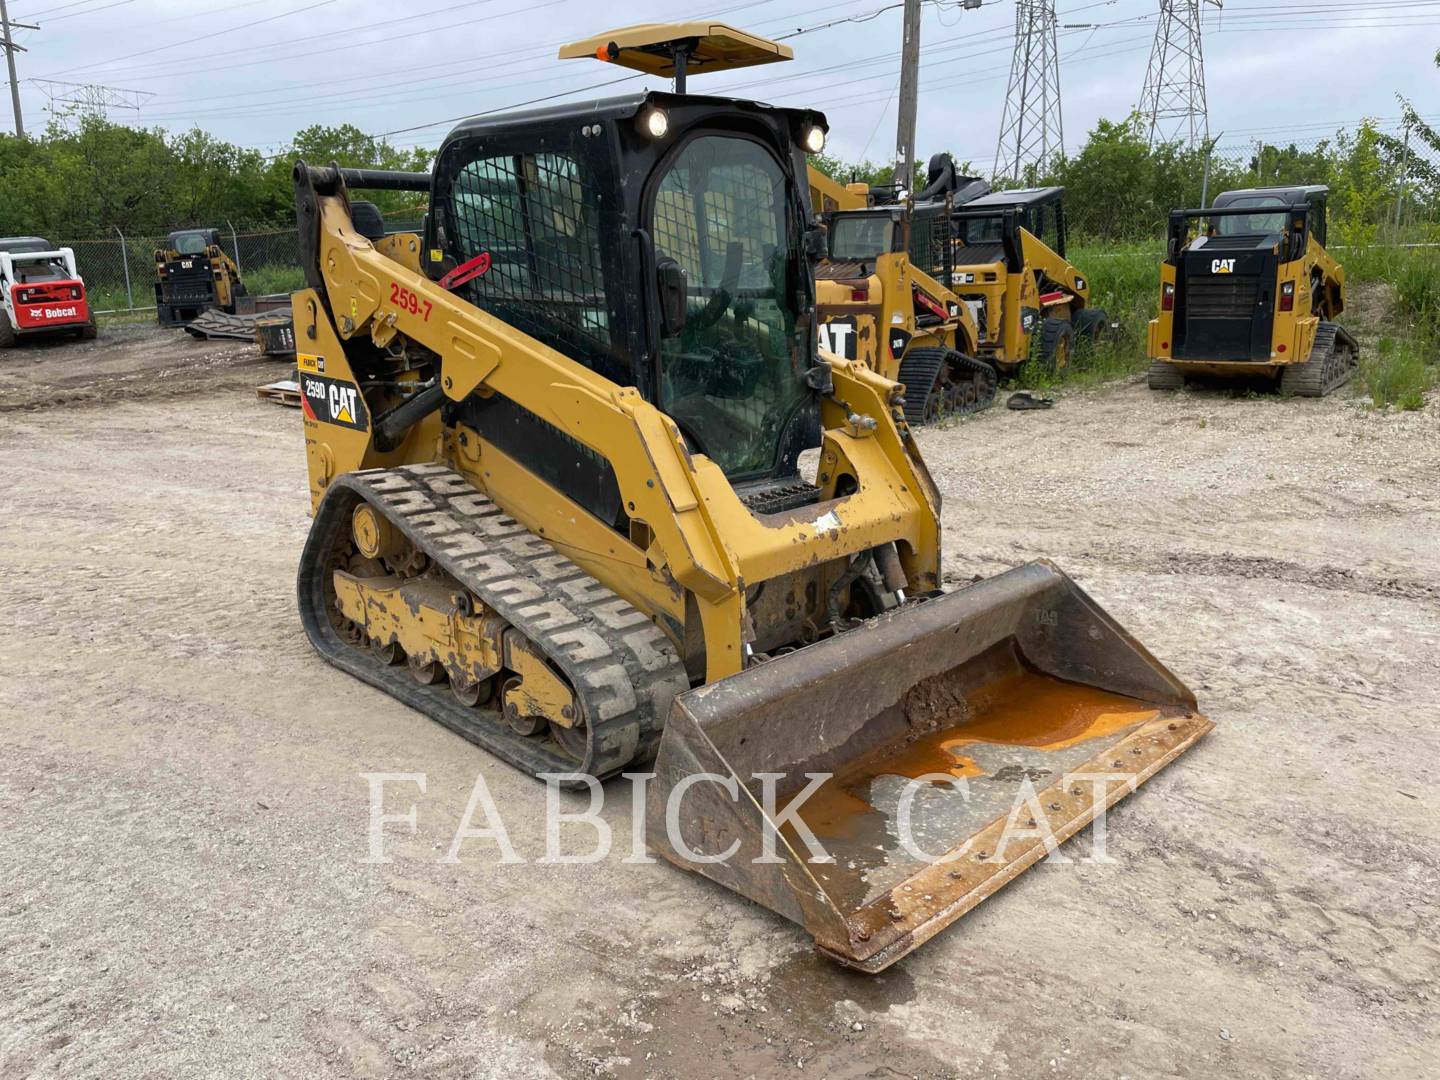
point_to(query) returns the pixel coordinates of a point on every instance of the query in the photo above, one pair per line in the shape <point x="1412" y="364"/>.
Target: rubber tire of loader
<point x="8" y="336"/>
<point x="1091" y="325"/>
<point x="1054" y="346"/>
<point x="89" y="331"/>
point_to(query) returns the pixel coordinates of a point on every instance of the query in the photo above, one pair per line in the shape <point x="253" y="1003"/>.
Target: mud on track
<point x="181" y="884"/>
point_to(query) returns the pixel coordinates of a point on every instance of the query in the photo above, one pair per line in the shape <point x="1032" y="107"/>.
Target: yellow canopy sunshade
<point x="672" y="50"/>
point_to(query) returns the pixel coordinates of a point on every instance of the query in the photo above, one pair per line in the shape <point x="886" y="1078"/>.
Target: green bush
<point x="1417" y="289"/>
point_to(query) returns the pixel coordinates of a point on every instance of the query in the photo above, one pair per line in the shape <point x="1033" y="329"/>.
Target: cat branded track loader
<point x="193" y="275"/>
<point x="553" y="452"/>
<point x="1009" y="265"/>
<point x="1254" y="293"/>
<point x="880" y="303"/>
<point x="40" y="291"/>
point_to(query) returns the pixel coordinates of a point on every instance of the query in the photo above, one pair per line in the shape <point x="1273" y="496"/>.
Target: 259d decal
<point x="333" y="401"/>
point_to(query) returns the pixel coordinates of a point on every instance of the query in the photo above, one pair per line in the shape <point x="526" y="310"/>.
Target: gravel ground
<point x="183" y="888"/>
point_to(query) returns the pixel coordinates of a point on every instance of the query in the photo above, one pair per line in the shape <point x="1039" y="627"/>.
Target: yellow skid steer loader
<point x="553" y="450"/>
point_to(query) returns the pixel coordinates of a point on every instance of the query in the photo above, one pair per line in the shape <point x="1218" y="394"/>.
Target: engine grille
<point x="1221" y="296"/>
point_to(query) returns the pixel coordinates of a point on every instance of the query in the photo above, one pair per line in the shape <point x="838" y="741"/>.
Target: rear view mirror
<point x="674" y="295"/>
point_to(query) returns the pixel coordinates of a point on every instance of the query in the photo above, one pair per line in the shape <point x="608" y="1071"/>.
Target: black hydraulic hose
<point x="391" y="427"/>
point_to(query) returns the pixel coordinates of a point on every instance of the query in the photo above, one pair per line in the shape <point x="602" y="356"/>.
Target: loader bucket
<point x="1026" y="709"/>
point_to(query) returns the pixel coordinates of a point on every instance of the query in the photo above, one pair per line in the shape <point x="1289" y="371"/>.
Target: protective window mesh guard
<point x="929" y="237"/>
<point x="535" y="215"/>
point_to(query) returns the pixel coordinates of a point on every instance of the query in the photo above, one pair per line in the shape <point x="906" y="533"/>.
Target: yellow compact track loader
<point x="880" y="303"/>
<point x="1255" y="293"/>
<point x="553" y="452"/>
<point x="1009" y="265"/>
<point x="192" y="275"/>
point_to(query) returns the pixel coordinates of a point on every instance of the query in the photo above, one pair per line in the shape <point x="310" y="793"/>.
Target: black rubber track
<point x="924" y="373"/>
<point x="1163" y="376"/>
<point x="623" y="669"/>
<point x="1332" y="361"/>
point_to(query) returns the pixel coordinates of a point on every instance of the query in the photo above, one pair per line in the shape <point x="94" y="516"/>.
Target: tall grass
<point x="1125" y="284"/>
<point x="273" y="279"/>
<point x="1400" y="372"/>
<point x="1406" y="363"/>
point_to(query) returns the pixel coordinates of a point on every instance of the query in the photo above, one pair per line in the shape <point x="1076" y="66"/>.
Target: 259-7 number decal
<point x="406" y="300"/>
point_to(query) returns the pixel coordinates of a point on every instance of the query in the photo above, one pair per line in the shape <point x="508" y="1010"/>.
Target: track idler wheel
<point x="473" y="694"/>
<point x="427" y="672"/>
<point x="521" y="725"/>
<point x="389" y="653"/>
<point x="573" y="740"/>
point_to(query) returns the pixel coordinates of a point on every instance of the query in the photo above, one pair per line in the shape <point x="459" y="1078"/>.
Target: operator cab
<point x="190" y="242"/>
<point x="660" y="239"/>
<point x="30" y="272"/>
<point x="985" y="228"/>
<point x="1271" y="214"/>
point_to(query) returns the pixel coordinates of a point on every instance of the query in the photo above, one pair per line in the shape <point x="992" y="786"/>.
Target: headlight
<point x="815" y="139"/>
<point x="655" y="123"/>
<point x="1079" y="284"/>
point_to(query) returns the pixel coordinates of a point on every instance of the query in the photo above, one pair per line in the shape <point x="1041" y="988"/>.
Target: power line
<point x="194" y="40"/>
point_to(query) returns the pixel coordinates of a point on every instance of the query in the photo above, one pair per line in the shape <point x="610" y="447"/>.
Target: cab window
<point x="535" y="216"/>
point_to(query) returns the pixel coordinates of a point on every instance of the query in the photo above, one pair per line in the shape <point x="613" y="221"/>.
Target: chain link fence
<point x="119" y="270"/>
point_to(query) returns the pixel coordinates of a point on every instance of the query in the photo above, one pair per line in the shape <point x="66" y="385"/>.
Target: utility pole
<point x="909" y="98"/>
<point x="7" y="42"/>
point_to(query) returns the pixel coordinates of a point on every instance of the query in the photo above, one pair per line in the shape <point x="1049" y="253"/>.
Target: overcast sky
<point x="265" y="68"/>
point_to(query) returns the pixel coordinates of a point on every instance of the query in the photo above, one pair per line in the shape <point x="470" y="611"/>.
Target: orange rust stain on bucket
<point x="1027" y="709"/>
<point x="1020" y="708"/>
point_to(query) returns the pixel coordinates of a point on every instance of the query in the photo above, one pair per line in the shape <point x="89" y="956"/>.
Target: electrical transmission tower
<point x="1172" y="105"/>
<point x="90" y="99"/>
<point x="1030" y="128"/>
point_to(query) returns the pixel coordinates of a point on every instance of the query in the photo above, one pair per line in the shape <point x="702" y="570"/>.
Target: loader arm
<point x="1050" y="266"/>
<point x="707" y="540"/>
